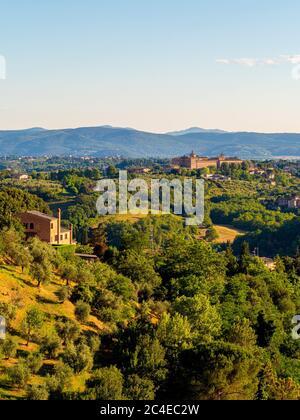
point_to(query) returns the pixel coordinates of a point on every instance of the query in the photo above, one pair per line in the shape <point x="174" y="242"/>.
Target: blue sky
<point x="157" y="66"/>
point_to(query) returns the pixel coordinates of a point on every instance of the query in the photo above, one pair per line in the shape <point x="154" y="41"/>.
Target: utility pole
<point x="152" y="237"/>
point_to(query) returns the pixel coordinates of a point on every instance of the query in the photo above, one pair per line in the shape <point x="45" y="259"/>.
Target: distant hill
<point x="109" y="141"/>
<point x="194" y="130"/>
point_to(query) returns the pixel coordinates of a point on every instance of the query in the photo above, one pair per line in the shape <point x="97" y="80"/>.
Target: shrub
<point x="63" y="294"/>
<point x="8" y="348"/>
<point x="33" y="321"/>
<point x="20" y="374"/>
<point x="106" y="384"/>
<point x="37" y="393"/>
<point x="68" y="331"/>
<point x="79" y="358"/>
<point x="34" y="362"/>
<point x="82" y="311"/>
<point x="139" y="389"/>
<point x="51" y="345"/>
<point x="61" y="379"/>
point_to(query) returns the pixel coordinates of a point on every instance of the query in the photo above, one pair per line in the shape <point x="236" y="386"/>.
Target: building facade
<point x="292" y="202"/>
<point x="194" y="161"/>
<point x="21" y="177"/>
<point x="46" y="228"/>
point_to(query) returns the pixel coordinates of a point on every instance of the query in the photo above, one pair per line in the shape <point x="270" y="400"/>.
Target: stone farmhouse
<point x="291" y="202"/>
<point x="46" y="228"/>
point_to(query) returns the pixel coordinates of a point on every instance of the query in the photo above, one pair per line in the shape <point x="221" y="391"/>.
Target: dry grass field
<point x="227" y="234"/>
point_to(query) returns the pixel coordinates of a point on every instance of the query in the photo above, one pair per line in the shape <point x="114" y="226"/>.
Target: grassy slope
<point x="227" y="234"/>
<point x="15" y="285"/>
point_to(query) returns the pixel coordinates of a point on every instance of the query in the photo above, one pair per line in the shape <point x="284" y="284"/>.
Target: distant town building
<point x="141" y="171"/>
<point x="46" y="228"/>
<point x="21" y="177"/>
<point x="194" y="161"/>
<point x="269" y="263"/>
<point x="257" y="171"/>
<point x="270" y="175"/>
<point x="217" y="177"/>
<point x="291" y="202"/>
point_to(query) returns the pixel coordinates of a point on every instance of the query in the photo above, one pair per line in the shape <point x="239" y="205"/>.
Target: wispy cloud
<point x="270" y="62"/>
<point x="248" y="62"/>
<point x="253" y="62"/>
<point x="293" y="59"/>
<point x="223" y="61"/>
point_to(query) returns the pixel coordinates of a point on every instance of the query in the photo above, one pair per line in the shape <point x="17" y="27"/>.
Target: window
<point x="52" y="226"/>
<point x="31" y="226"/>
<point x="61" y="237"/>
<point x="66" y="236"/>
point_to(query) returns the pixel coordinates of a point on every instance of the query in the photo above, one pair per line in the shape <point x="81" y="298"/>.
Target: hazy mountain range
<point x="109" y="141"/>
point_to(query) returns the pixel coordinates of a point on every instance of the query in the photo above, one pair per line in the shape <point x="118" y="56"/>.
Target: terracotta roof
<point x="42" y="215"/>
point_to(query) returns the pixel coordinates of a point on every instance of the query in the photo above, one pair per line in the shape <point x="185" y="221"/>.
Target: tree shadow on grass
<point x="43" y="300"/>
<point x="26" y="282"/>
<point x="23" y="353"/>
<point x="5" y="384"/>
<point x="7" y="268"/>
<point x="6" y="388"/>
<point x="15" y="276"/>
<point x="46" y="369"/>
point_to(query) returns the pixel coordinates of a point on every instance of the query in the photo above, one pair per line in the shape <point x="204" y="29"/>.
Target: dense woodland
<point x="162" y="313"/>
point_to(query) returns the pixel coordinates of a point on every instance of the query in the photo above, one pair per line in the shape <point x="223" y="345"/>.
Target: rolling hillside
<point x="108" y="141"/>
<point x="22" y="289"/>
